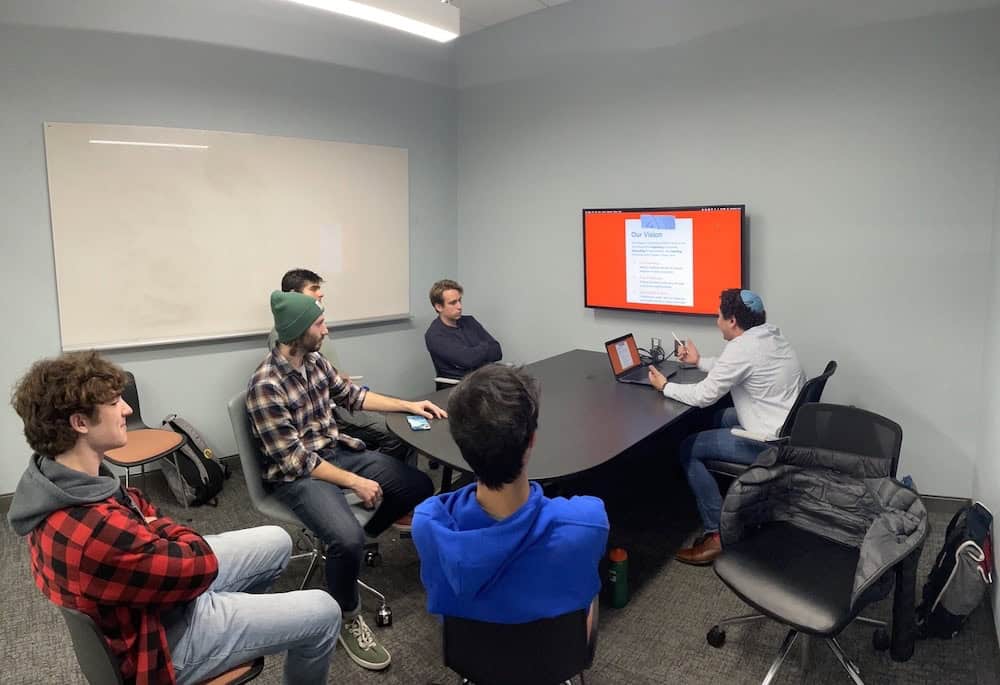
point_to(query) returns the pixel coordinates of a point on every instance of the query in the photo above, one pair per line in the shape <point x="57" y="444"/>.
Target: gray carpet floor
<point x="659" y="637"/>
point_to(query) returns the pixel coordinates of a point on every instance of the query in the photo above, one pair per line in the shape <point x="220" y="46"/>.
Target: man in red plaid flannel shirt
<point x="174" y="606"/>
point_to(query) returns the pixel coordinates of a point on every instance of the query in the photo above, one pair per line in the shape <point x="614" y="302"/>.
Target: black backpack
<point x="201" y="475"/>
<point x="962" y="572"/>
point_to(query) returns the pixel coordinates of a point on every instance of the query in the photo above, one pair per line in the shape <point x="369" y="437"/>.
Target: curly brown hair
<point x="55" y="389"/>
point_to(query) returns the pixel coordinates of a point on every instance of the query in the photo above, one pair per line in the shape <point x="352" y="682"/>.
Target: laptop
<point x="623" y="354"/>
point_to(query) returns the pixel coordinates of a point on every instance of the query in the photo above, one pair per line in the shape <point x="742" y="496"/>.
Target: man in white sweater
<point x="762" y="373"/>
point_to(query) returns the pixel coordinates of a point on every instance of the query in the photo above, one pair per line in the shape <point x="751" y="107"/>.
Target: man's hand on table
<point x="657" y="379"/>
<point x="427" y="409"/>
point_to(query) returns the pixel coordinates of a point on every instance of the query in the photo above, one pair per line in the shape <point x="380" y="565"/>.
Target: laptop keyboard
<point x="667" y="368"/>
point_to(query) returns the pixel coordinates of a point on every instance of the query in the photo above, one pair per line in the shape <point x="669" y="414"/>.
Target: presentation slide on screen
<point x="659" y="260"/>
<point x="624" y="353"/>
<point x="674" y="260"/>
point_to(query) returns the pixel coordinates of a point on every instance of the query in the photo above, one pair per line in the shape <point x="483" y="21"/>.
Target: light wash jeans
<point x="229" y="624"/>
<point x="718" y="444"/>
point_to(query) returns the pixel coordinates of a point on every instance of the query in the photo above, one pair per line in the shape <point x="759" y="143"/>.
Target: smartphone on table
<point x="418" y="423"/>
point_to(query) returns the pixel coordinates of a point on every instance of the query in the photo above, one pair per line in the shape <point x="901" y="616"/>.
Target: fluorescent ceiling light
<point x="443" y="14"/>
<point x="144" y="144"/>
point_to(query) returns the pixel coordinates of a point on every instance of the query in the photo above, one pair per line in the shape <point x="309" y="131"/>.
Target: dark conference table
<point x="586" y="417"/>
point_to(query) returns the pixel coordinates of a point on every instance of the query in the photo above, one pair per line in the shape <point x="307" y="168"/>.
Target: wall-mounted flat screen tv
<point x="662" y="259"/>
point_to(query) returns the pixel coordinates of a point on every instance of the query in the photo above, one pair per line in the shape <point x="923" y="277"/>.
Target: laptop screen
<point x="623" y="353"/>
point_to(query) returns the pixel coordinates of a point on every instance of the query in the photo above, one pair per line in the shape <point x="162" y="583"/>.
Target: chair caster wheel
<point x="373" y="558"/>
<point x="383" y="617"/>
<point x="880" y="640"/>
<point x="716" y="637"/>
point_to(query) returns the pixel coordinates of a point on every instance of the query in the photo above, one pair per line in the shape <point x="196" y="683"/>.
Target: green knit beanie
<point x="293" y="314"/>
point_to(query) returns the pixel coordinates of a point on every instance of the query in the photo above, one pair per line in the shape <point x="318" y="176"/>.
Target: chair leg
<point x="782" y="653"/>
<point x="849" y="666"/>
<point x="313" y="559"/>
<point x="736" y="620"/>
<point x="871" y="621"/>
<point x="445" y="479"/>
<point x="307" y="544"/>
<point x="804" y="656"/>
<point x="372" y="590"/>
<point x="383" y="615"/>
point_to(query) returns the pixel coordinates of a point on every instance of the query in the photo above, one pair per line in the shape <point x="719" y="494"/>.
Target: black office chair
<point x="146" y="446"/>
<point x="100" y="666"/>
<point x="812" y="391"/>
<point x="543" y="652"/>
<point x="131" y="395"/>
<point x="812" y="529"/>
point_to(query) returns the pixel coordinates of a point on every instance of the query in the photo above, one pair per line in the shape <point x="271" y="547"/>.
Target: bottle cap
<point x="618" y="554"/>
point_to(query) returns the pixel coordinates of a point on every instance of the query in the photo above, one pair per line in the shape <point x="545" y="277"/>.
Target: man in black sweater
<point x="457" y="344"/>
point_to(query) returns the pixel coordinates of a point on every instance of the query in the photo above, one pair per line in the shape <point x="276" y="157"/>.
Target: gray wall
<point x="65" y="75"/>
<point x="986" y="486"/>
<point x="867" y="157"/>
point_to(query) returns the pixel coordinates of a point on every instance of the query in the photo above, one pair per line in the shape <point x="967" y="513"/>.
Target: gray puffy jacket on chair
<point x="847" y="498"/>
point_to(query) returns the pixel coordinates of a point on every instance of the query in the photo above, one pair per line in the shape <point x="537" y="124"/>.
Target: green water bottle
<point x="618" y="577"/>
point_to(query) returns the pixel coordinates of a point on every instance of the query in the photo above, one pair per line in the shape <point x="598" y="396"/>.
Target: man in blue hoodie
<point x="499" y="550"/>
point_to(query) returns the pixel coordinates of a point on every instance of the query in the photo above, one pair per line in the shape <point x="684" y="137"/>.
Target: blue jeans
<point x="717" y="444"/>
<point x="228" y="625"/>
<point x="324" y="510"/>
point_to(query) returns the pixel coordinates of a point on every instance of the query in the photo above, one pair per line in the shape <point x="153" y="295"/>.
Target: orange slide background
<point x="616" y="365"/>
<point x="716" y="233"/>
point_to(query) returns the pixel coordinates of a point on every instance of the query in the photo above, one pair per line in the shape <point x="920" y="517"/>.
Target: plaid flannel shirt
<point x="104" y="560"/>
<point x="292" y="416"/>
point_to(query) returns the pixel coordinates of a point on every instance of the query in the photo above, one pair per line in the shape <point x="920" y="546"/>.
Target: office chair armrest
<point x="759" y="437"/>
<point x="353" y="500"/>
<point x="447" y="381"/>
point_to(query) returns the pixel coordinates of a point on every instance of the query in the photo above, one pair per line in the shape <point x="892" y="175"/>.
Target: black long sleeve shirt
<point x="459" y="350"/>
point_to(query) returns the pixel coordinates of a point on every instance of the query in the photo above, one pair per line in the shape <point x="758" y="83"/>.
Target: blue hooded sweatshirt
<point x="537" y="563"/>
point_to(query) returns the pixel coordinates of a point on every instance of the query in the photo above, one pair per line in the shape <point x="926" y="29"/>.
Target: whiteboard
<point x="165" y="235"/>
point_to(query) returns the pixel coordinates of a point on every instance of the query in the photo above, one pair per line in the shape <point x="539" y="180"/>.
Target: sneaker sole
<point x="370" y="665"/>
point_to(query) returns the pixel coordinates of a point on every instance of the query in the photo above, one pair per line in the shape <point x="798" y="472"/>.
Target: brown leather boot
<point x="701" y="553"/>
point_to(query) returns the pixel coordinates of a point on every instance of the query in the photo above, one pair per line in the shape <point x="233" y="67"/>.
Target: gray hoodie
<point x="47" y="486"/>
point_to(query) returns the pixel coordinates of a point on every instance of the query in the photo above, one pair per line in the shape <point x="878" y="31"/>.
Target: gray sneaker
<point x="359" y="641"/>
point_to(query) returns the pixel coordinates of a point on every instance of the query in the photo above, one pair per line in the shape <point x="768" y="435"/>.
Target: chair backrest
<point x="848" y="429"/>
<point x="246" y="445"/>
<point x="250" y="458"/>
<point x="97" y="661"/>
<point x="131" y="396"/>
<point x="812" y="391"/>
<point x="543" y="652"/>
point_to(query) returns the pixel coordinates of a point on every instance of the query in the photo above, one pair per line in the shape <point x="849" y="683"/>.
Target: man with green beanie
<point x="307" y="462"/>
<point x="364" y="425"/>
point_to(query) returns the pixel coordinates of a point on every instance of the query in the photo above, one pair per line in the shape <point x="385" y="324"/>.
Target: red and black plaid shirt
<point x="104" y="559"/>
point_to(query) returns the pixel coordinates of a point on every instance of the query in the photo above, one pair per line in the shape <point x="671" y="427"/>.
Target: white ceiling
<point x="478" y="14"/>
<point x="277" y="27"/>
<point x="507" y="49"/>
